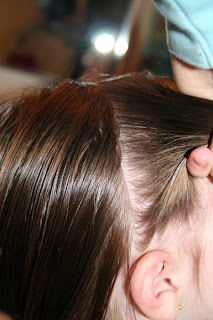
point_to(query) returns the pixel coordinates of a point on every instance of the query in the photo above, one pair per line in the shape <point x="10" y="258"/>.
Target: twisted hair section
<point x="158" y="128"/>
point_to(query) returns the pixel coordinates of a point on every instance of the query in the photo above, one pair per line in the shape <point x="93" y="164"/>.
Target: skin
<point x="191" y="80"/>
<point x="200" y="162"/>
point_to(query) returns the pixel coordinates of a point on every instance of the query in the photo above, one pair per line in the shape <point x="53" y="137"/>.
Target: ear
<point x="154" y="286"/>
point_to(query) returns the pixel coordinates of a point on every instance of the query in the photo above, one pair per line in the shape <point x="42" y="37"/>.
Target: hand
<point x="191" y="80"/>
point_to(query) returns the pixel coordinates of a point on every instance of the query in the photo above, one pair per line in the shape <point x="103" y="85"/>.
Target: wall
<point x="16" y="16"/>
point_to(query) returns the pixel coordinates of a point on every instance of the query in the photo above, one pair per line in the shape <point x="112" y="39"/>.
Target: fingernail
<point x="200" y="164"/>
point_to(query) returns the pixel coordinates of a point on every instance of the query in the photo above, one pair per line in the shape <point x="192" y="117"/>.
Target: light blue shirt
<point x="189" y="30"/>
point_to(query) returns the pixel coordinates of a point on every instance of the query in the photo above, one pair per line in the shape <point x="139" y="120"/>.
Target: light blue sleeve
<point x="189" y="30"/>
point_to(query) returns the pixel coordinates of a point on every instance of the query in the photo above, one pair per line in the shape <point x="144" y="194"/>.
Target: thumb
<point x="191" y="80"/>
<point x="200" y="162"/>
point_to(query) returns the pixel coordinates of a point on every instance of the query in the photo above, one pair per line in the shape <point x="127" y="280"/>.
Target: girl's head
<point x="98" y="215"/>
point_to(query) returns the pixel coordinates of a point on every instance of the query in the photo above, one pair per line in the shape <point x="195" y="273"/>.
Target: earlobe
<point x="154" y="287"/>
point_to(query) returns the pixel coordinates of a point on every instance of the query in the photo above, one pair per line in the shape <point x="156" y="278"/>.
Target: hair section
<point x="82" y="166"/>
<point x="62" y="226"/>
<point x="158" y="129"/>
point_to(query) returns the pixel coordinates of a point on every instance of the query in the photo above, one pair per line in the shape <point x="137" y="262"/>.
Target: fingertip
<point x="199" y="162"/>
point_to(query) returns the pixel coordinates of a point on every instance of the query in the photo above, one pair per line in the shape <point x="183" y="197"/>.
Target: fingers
<point x="200" y="162"/>
<point x="191" y="80"/>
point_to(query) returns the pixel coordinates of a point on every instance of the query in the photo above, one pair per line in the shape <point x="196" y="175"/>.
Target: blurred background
<point x="45" y="41"/>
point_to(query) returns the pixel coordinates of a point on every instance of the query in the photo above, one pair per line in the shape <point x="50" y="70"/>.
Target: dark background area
<point x="49" y="40"/>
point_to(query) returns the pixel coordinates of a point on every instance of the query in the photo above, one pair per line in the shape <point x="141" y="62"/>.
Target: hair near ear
<point x="158" y="128"/>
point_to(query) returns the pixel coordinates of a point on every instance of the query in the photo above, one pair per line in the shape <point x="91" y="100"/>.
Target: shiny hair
<point x="79" y="165"/>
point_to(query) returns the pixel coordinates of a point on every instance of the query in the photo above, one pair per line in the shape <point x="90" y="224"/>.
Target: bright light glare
<point x="121" y="47"/>
<point x="104" y="43"/>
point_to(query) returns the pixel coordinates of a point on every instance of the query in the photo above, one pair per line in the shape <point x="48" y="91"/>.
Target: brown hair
<point x="60" y="205"/>
<point x="73" y="160"/>
<point x="158" y="128"/>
